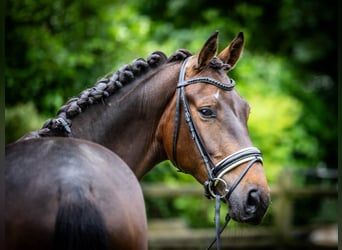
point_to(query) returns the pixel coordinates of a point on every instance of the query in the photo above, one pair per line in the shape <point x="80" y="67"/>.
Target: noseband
<point x="215" y="172"/>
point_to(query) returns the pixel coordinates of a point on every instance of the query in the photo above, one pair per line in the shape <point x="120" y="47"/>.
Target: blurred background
<point x="288" y="73"/>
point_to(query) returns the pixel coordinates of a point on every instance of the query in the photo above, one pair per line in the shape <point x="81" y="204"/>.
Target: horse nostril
<point x="253" y="201"/>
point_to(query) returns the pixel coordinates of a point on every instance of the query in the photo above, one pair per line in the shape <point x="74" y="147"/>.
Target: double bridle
<point x="215" y="172"/>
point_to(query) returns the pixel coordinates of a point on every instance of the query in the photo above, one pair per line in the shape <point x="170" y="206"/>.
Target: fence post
<point x="283" y="206"/>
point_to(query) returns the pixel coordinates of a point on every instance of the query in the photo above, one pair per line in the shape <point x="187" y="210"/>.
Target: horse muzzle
<point x="248" y="207"/>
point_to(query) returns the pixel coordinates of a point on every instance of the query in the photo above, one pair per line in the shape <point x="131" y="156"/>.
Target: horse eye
<point x="207" y="112"/>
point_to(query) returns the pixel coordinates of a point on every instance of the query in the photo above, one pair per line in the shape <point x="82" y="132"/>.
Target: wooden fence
<point x="282" y="234"/>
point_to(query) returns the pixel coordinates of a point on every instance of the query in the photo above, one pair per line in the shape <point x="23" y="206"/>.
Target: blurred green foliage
<point x="20" y="119"/>
<point x="288" y="72"/>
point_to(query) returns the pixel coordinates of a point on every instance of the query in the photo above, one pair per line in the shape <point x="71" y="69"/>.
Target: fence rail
<point x="174" y="234"/>
<point x="162" y="190"/>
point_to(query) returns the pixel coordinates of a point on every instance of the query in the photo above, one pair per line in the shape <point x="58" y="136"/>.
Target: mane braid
<point x="216" y="63"/>
<point x="106" y="86"/>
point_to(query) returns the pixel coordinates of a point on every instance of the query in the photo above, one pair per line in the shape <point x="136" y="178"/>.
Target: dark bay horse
<point x="71" y="194"/>
<point x="183" y="108"/>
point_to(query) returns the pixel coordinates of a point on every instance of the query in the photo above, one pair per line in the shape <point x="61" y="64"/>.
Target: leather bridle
<point x="215" y="172"/>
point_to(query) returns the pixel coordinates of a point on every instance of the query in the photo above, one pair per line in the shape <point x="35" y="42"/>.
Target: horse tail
<point x="79" y="225"/>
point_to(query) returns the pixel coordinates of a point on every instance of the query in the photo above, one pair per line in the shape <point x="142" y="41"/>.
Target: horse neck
<point x="127" y="122"/>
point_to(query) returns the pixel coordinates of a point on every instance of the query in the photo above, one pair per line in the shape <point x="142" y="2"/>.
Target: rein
<point x="215" y="172"/>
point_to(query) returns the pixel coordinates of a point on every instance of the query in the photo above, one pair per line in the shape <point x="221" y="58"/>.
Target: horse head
<point x="205" y="134"/>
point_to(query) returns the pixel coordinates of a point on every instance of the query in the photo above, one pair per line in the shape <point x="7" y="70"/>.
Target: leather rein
<point x="215" y="172"/>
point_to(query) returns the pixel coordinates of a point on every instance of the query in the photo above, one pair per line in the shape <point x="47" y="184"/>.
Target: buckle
<point x="209" y="188"/>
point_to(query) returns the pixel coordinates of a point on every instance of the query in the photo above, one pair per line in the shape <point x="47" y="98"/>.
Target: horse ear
<point x="208" y="50"/>
<point x="232" y="52"/>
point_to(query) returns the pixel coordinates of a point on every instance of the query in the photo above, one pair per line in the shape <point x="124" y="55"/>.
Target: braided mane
<point x="106" y="86"/>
